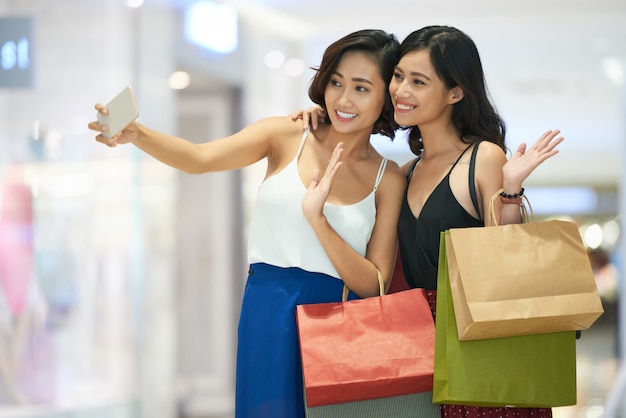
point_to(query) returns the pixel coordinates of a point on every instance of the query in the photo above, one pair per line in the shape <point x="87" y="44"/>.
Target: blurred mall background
<point x="121" y="279"/>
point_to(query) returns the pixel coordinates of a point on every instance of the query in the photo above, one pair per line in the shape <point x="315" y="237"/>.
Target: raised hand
<point x="126" y="135"/>
<point x="524" y="161"/>
<point x="313" y="116"/>
<point x="319" y="188"/>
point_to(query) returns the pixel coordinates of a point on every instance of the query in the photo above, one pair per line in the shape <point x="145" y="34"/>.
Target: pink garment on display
<point x="16" y="245"/>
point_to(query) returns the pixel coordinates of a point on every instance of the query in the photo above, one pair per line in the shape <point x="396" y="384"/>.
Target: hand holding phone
<point x="122" y="111"/>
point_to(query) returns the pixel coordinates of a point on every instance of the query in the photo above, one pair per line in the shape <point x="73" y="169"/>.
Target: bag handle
<point x="526" y="210"/>
<point x="381" y="287"/>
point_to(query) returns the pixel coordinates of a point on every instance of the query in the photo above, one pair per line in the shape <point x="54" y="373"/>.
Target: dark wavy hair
<point x="378" y="44"/>
<point x="457" y="63"/>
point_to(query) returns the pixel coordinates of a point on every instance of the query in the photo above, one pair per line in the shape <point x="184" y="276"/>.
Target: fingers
<point x="334" y="163"/>
<point x="306" y="120"/>
<point x="521" y="149"/>
<point x="547" y="140"/>
<point x="320" y="115"/>
<point x="547" y="143"/>
<point x="102" y="109"/>
<point x="299" y="115"/>
<point x="109" y="142"/>
<point x="554" y="142"/>
<point x="96" y="126"/>
<point x="315" y="178"/>
<point x="310" y="117"/>
<point x="315" y="120"/>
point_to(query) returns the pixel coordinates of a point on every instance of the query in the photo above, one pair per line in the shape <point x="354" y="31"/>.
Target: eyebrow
<point x="414" y="73"/>
<point x="357" y="79"/>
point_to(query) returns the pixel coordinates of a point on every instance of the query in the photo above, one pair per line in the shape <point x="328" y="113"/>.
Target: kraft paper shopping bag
<point x="523" y="371"/>
<point x="521" y="279"/>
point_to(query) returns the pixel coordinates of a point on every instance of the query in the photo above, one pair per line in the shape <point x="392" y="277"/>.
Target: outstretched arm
<point x="241" y="149"/>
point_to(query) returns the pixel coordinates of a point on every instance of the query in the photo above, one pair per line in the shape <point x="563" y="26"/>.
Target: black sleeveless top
<point x="419" y="237"/>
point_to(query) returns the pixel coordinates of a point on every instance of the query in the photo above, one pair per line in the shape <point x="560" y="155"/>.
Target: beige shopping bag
<point x="521" y="279"/>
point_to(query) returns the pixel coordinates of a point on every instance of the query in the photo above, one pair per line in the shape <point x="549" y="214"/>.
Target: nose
<point x="345" y="100"/>
<point x="397" y="88"/>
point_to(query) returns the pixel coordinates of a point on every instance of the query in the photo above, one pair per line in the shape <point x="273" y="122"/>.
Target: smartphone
<point x="122" y="111"/>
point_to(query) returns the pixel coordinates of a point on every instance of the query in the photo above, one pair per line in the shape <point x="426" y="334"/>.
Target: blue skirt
<point x="269" y="370"/>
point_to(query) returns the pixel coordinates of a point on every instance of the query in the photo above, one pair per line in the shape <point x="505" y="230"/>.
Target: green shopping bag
<point x="523" y="371"/>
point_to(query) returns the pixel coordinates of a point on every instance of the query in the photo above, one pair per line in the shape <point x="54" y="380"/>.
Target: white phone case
<point x="122" y="111"/>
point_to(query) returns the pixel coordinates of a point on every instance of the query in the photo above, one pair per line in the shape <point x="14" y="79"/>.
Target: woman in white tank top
<point x="326" y="212"/>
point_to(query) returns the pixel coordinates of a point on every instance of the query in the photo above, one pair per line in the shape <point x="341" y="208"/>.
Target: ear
<point x="456" y="94"/>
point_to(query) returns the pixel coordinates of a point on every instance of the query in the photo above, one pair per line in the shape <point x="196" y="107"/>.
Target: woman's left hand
<point x="524" y="161"/>
<point x="319" y="188"/>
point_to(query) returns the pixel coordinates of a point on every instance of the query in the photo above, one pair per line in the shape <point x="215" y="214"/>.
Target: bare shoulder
<point x="407" y="166"/>
<point x="489" y="162"/>
<point x="488" y="151"/>
<point x="279" y="132"/>
<point x="278" y="126"/>
<point x="394" y="177"/>
<point x="394" y="169"/>
<point x="283" y="136"/>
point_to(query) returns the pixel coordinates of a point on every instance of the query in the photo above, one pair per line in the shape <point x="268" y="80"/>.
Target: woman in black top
<point x="438" y="90"/>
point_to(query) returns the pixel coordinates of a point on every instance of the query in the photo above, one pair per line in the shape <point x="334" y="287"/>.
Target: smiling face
<point x="419" y="96"/>
<point x="355" y="93"/>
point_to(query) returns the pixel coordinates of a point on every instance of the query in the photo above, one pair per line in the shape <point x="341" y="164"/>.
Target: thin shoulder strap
<point x="409" y="173"/>
<point x="381" y="172"/>
<point x="458" y="159"/>
<point x="302" y="141"/>
<point x="472" y="182"/>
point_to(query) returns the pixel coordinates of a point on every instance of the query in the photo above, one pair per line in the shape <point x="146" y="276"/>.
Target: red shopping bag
<point x="367" y="349"/>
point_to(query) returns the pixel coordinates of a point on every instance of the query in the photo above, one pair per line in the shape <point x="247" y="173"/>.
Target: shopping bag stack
<point x="523" y="371"/>
<point x="509" y="301"/>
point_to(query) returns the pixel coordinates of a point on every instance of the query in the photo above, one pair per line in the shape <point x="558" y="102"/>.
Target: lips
<point x="345" y="115"/>
<point x="404" y="107"/>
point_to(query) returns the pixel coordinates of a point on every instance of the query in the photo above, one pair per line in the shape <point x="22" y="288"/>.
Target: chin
<point x="404" y="120"/>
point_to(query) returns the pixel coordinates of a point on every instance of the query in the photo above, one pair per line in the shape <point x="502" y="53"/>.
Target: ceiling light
<point x="613" y="69"/>
<point x="179" y="80"/>
<point x="135" y="4"/>
<point x="274" y="59"/>
<point x="212" y="26"/>
<point x="294" y="67"/>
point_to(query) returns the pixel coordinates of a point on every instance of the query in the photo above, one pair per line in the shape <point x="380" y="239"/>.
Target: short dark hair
<point x="457" y="63"/>
<point x="383" y="48"/>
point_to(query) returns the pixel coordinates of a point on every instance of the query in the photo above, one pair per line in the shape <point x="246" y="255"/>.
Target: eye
<point x="362" y="89"/>
<point x="397" y="76"/>
<point x="334" y="82"/>
<point x="418" y="81"/>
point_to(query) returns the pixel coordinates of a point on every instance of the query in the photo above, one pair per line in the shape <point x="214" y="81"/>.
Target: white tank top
<point x="281" y="236"/>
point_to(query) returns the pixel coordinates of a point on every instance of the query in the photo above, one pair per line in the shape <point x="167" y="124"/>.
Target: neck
<point x="438" y="141"/>
<point x="356" y="145"/>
